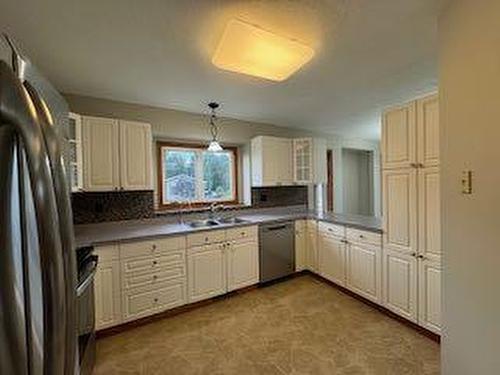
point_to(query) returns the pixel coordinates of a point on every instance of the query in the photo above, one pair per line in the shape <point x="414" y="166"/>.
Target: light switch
<point x="467" y="182"/>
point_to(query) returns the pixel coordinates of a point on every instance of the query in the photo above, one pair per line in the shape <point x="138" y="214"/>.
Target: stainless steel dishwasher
<point x="276" y="250"/>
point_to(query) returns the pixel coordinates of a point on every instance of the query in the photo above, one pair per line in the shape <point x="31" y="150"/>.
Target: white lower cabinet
<point x="400" y="283"/>
<point x="332" y="259"/>
<point x="300" y="245"/>
<point x="429" y="295"/>
<point x="206" y="272"/>
<point x="107" y="287"/>
<point x="364" y="274"/>
<point x="242" y="264"/>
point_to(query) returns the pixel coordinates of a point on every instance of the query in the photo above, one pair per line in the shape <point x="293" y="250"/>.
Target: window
<point x="189" y="174"/>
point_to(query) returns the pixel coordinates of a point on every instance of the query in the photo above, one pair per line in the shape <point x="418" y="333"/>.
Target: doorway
<point x="357" y="181"/>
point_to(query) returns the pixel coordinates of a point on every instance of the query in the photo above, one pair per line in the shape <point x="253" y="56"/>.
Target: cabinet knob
<point x="155" y="277"/>
<point x="413" y="254"/>
<point x="154" y="247"/>
<point x="155" y="262"/>
<point x="206" y="239"/>
<point x="361" y="236"/>
<point x="155" y="300"/>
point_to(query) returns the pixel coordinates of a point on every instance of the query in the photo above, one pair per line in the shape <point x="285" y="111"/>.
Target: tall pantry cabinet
<point x="411" y="211"/>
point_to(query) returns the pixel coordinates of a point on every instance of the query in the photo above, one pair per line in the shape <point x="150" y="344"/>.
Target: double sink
<point x="207" y="223"/>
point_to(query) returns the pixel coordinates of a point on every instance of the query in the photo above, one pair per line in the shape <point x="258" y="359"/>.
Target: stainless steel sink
<point x="231" y="220"/>
<point x="203" y="223"/>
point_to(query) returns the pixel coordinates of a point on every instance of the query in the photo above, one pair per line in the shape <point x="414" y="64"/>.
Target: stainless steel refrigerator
<point x="38" y="328"/>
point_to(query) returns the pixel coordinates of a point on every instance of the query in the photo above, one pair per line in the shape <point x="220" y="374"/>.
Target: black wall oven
<point x="87" y="267"/>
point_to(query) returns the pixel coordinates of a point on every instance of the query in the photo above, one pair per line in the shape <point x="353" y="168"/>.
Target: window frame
<point x="198" y="204"/>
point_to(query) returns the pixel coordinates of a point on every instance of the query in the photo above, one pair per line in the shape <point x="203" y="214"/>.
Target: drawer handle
<point x="154" y="247"/>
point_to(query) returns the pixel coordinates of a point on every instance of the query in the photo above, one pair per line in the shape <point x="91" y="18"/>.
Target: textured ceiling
<point x="369" y="54"/>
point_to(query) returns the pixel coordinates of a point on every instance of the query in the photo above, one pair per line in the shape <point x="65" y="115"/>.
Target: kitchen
<point x="195" y="210"/>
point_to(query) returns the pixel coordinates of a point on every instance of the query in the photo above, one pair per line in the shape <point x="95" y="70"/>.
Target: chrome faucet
<point x="215" y="207"/>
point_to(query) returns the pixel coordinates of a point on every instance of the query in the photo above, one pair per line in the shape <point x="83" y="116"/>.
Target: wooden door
<point x="400" y="283"/>
<point x="100" y="154"/>
<point x="242" y="258"/>
<point x="206" y="272"/>
<point x="428" y="131"/>
<point x="300" y="245"/>
<point x="399" y="137"/>
<point x="429" y="214"/>
<point x="429" y="290"/>
<point x="107" y="294"/>
<point x="400" y="209"/>
<point x="363" y="270"/>
<point x="332" y="259"/>
<point x="135" y="156"/>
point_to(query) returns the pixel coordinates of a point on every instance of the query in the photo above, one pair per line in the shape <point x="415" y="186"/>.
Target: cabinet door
<point x="107" y="294"/>
<point x="312" y="246"/>
<point x="206" y="272"/>
<point x="242" y="264"/>
<point x="428" y="131"/>
<point x="400" y="209"/>
<point x="429" y="214"/>
<point x="283" y="161"/>
<point x="302" y="160"/>
<point x="135" y="155"/>
<point x="364" y="270"/>
<point x="100" y="154"/>
<point x="429" y="290"/>
<point x="400" y="283"/>
<point x="332" y="259"/>
<point x="300" y="245"/>
<point x="399" y="137"/>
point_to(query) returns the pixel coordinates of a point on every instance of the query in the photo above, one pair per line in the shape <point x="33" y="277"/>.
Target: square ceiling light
<point x="248" y="49"/>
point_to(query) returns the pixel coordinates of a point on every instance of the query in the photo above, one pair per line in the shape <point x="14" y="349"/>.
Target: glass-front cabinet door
<point x="302" y="160"/>
<point x="75" y="152"/>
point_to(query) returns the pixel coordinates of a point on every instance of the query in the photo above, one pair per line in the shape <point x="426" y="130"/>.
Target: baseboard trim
<point x="424" y="331"/>
<point x="111" y="331"/>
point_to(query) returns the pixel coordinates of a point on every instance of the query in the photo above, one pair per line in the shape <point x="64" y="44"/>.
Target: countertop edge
<point x="186" y="230"/>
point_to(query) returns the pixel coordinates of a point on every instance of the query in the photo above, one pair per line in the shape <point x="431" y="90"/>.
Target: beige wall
<point x="169" y="124"/>
<point x="469" y="81"/>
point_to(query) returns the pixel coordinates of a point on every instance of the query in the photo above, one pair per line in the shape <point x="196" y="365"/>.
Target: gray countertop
<point x="100" y="233"/>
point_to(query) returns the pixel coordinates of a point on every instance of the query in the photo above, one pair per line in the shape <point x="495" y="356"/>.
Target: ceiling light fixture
<point x="248" y="49"/>
<point x="214" y="145"/>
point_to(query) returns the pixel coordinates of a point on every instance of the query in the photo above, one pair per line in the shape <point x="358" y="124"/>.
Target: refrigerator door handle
<point x="17" y="111"/>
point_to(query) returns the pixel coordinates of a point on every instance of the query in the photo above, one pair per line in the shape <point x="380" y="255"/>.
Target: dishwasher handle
<point x="276" y="227"/>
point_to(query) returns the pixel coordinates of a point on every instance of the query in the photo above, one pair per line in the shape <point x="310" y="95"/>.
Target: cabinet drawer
<point x="146" y="301"/>
<point x="107" y="253"/>
<point x="331" y="229"/>
<point x="206" y="237"/>
<point x="242" y="233"/>
<point x="363" y="237"/>
<point x="150" y="264"/>
<point x="152" y="247"/>
<point x="139" y="279"/>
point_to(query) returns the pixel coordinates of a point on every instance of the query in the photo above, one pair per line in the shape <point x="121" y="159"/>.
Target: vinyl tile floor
<point x="299" y="326"/>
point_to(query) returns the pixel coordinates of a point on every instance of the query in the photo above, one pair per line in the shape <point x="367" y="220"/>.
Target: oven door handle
<point x="90" y="276"/>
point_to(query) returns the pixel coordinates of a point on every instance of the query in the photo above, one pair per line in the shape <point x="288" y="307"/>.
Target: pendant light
<point x="214" y="145"/>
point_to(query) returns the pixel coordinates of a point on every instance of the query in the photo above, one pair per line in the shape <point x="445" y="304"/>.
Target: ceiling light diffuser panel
<point x="248" y="49"/>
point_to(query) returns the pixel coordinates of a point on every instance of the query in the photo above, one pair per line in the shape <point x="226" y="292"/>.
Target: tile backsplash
<point x="279" y="196"/>
<point x="98" y="207"/>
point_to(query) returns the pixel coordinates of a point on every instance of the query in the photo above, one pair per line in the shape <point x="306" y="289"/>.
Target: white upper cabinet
<point x="428" y="131"/>
<point x="135" y="152"/>
<point x="271" y="161"/>
<point x="400" y="207"/>
<point x="116" y="155"/>
<point x="399" y="137"/>
<point x="309" y="160"/>
<point x="100" y="154"/>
